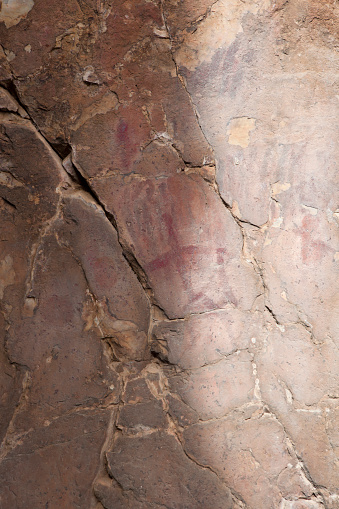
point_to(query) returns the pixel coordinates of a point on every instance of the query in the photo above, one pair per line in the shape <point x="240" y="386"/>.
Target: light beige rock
<point x="204" y="339"/>
<point x="247" y="454"/>
<point x="215" y="390"/>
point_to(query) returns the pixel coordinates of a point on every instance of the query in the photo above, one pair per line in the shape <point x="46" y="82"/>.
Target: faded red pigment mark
<point x="122" y="132"/>
<point x="183" y="257"/>
<point x="124" y="143"/>
<point x="312" y="251"/>
<point x="177" y="255"/>
<point x="220" y="252"/>
<point x="204" y="299"/>
<point x="168" y="221"/>
<point x="161" y="262"/>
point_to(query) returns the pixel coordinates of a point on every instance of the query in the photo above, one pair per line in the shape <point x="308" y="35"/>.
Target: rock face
<point x="169" y="254"/>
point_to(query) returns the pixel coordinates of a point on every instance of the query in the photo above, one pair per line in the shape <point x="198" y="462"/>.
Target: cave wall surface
<point x="169" y="254"/>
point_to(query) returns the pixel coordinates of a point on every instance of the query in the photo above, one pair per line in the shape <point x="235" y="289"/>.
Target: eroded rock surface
<point x="169" y="254"/>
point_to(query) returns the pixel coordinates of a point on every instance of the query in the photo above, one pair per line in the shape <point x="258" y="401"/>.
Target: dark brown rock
<point x="55" y="465"/>
<point x="11" y="379"/>
<point x="180" y="412"/>
<point x="120" y="310"/>
<point x="157" y="471"/>
<point x="136" y="391"/>
<point x="142" y="416"/>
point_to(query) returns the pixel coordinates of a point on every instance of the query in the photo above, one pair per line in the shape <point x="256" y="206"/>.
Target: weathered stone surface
<point x="58" y="375"/>
<point x="157" y="471"/>
<point x="299" y="381"/>
<point x="136" y="391"/>
<point x="214" y="390"/>
<point x="262" y="134"/>
<point x="312" y="294"/>
<point x="191" y="255"/>
<point x="180" y="412"/>
<point x="9" y="104"/>
<point x="11" y="383"/>
<point x="118" y="307"/>
<point x="87" y="378"/>
<point x="23" y="212"/>
<point x="204" y="339"/>
<point x="249" y="455"/>
<point x="169" y="254"/>
<point x="148" y="415"/>
<point x="309" y="372"/>
<point x="111" y="496"/>
<point x="55" y="465"/>
<point x="301" y="504"/>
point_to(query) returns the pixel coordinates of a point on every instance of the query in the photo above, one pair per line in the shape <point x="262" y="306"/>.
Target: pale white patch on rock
<point x="219" y="29"/>
<point x="235" y="209"/>
<point x="13" y="11"/>
<point x="279" y="187"/>
<point x="239" y="131"/>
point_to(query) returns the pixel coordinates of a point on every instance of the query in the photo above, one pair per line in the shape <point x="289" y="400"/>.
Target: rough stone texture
<point x="176" y="228"/>
<point x="169" y="254"/>
<point x="156" y="469"/>
<point x="250" y="453"/>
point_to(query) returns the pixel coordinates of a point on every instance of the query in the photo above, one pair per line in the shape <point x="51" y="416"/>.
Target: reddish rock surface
<point x="169" y="254"/>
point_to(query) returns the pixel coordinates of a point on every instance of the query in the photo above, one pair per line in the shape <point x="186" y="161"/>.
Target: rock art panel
<point x="193" y="263"/>
<point x="169" y="254"/>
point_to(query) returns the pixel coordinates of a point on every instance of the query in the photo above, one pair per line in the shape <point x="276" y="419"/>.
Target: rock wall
<point x="169" y="254"/>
